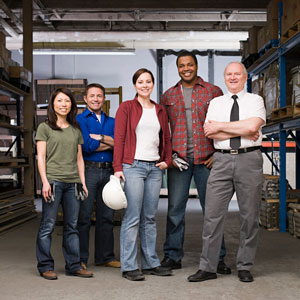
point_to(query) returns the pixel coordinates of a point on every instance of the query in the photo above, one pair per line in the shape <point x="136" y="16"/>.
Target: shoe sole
<point x="224" y="272"/>
<point x="243" y="280"/>
<point x="147" y="272"/>
<point x="78" y="275"/>
<point x="140" y="278"/>
<point x="204" y="279"/>
<point x="49" y="278"/>
<point x="172" y="267"/>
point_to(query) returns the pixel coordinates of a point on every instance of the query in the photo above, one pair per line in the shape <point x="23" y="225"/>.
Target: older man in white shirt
<point x="234" y="122"/>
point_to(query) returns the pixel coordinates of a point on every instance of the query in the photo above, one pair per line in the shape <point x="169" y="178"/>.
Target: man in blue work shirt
<point x="98" y="135"/>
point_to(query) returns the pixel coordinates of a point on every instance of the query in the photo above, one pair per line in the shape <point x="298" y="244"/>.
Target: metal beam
<point x="39" y="6"/>
<point x="8" y="28"/>
<point x="11" y="15"/>
<point x="160" y="16"/>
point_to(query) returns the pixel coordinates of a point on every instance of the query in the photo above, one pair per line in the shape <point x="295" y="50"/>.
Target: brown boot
<point x="82" y="273"/>
<point x="50" y="275"/>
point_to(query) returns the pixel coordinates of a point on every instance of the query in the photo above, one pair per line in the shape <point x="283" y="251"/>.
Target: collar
<point x="87" y="113"/>
<point x="199" y="81"/>
<point x="239" y="94"/>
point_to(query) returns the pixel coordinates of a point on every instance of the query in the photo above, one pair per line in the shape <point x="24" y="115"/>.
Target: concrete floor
<point x="277" y="269"/>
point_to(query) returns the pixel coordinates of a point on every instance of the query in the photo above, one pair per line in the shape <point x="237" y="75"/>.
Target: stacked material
<point x="294" y="219"/>
<point x="269" y="210"/>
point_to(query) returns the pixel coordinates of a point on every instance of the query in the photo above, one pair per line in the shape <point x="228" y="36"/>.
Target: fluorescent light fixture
<point x="83" y="52"/>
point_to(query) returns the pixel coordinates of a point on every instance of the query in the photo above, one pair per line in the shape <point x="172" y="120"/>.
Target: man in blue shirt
<point x="98" y="135"/>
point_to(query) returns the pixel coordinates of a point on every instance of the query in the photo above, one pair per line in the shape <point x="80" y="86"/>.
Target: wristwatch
<point x="101" y="137"/>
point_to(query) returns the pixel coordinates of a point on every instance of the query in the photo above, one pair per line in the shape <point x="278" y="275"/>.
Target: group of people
<point x="217" y="138"/>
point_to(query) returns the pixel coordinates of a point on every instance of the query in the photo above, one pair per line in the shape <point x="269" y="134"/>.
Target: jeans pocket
<point x="129" y="166"/>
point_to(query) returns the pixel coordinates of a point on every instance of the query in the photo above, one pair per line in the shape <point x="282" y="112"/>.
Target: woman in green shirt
<point x="61" y="168"/>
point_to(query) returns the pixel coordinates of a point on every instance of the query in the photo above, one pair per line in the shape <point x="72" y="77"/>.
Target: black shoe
<point x="245" y="276"/>
<point x="223" y="269"/>
<point x="202" y="276"/>
<point x="158" y="271"/>
<point x="170" y="263"/>
<point x="134" y="275"/>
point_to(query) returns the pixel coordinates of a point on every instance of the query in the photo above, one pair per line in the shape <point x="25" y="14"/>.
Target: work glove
<point x="80" y="192"/>
<point x="179" y="162"/>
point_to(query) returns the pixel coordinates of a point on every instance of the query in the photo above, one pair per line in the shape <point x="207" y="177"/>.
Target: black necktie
<point x="235" y="142"/>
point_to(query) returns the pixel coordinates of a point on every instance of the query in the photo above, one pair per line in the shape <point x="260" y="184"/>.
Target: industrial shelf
<point x="282" y="127"/>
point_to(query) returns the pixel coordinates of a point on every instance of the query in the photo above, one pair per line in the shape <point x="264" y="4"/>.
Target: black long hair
<point x="71" y="117"/>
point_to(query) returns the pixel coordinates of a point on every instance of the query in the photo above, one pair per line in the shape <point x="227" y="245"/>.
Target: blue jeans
<point x="142" y="188"/>
<point x="96" y="178"/>
<point x="64" y="195"/>
<point x="178" y="193"/>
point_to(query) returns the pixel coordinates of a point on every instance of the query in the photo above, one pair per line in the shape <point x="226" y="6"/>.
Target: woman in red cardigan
<point x="142" y="150"/>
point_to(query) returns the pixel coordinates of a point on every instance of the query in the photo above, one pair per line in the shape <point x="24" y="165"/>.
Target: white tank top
<point x="147" y="136"/>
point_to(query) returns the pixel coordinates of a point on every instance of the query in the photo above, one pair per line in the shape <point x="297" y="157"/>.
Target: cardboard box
<point x="261" y="37"/>
<point x="291" y="14"/>
<point x="253" y="36"/>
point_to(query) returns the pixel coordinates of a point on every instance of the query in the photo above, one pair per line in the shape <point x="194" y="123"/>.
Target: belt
<point x="103" y="165"/>
<point x="238" y="151"/>
<point x="147" y="161"/>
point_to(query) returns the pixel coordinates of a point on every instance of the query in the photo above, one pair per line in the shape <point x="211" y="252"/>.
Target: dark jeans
<point x="95" y="179"/>
<point x="178" y="193"/>
<point x="64" y="194"/>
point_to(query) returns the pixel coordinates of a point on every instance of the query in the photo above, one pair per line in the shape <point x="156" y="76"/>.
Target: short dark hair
<point x="94" y="85"/>
<point x="51" y="115"/>
<point x="186" y="53"/>
<point x="139" y="72"/>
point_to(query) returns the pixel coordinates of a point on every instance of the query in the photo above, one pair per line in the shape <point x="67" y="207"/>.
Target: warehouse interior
<point x="51" y="43"/>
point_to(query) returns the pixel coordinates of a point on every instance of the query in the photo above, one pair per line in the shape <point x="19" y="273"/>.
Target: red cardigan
<point x="127" y="119"/>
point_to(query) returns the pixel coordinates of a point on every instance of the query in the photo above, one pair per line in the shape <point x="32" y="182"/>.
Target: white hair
<point x="237" y="62"/>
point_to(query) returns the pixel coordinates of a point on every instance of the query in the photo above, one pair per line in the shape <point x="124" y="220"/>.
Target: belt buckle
<point x="233" y="151"/>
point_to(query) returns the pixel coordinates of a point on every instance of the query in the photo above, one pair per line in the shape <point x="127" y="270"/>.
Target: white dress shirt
<point x="250" y="105"/>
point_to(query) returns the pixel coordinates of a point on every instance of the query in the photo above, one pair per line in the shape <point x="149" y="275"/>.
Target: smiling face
<point x="62" y="104"/>
<point x="235" y="77"/>
<point x="187" y="70"/>
<point x="94" y="99"/>
<point x="144" y="85"/>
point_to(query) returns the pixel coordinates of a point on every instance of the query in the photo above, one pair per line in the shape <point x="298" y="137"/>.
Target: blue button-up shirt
<point x="89" y="123"/>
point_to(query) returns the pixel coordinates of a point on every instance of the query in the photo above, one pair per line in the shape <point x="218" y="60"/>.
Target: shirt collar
<point x="240" y="94"/>
<point x="87" y="112"/>
<point x="199" y="81"/>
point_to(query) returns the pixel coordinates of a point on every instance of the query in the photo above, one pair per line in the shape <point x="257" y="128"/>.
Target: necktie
<point x="235" y="142"/>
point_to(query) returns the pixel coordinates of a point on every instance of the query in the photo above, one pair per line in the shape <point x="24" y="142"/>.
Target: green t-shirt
<point x="61" y="152"/>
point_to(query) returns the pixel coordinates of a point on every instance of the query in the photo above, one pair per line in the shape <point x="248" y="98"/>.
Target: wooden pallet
<point x="4" y="118"/>
<point x="268" y="46"/>
<point x="281" y="113"/>
<point x="296" y="110"/>
<point x="292" y="31"/>
<point x="16" y="210"/>
<point x="12" y="162"/>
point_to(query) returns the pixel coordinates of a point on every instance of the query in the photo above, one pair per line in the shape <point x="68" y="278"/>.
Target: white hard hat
<point x="113" y="194"/>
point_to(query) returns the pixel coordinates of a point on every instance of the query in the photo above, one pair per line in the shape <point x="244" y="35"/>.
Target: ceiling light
<point x="83" y="52"/>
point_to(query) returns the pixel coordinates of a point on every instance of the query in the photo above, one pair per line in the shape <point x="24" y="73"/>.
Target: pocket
<point x="129" y="166"/>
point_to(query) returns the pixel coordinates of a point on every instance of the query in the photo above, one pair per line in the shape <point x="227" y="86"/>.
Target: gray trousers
<point x="243" y="174"/>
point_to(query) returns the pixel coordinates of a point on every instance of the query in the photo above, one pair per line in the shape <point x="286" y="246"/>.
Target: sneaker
<point x="170" y="263"/>
<point x="111" y="264"/>
<point x="201" y="276"/>
<point x="82" y="273"/>
<point x="135" y="275"/>
<point x="49" y="275"/>
<point x="158" y="271"/>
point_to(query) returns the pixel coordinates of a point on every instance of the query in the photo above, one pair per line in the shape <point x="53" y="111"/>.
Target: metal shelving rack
<point x="284" y="127"/>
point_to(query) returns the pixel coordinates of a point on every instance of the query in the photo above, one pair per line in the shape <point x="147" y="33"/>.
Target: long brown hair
<point x="71" y="117"/>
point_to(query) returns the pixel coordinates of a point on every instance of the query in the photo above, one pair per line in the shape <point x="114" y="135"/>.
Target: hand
<point x="46" y="192"/>
<point x="208" y="163"/>
<point x="95" y="136"/>
<point x="254" y="137"/>
<point x="120" y="175"/>
<point x="211" y="127"/>
<point x="162" y="165"/>
<point x="86" y="190"/>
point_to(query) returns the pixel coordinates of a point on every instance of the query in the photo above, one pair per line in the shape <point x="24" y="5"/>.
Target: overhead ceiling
<point x="95" y="21"/>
